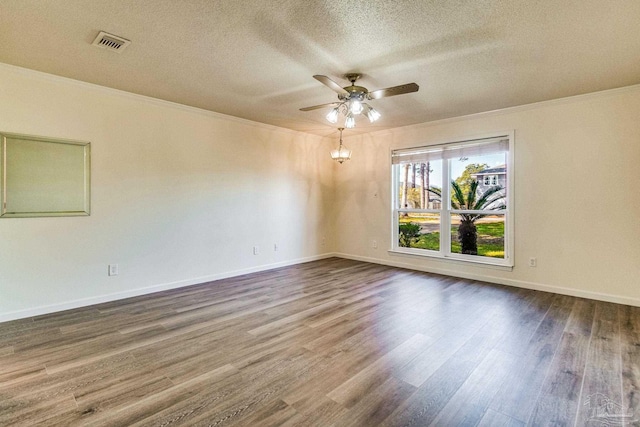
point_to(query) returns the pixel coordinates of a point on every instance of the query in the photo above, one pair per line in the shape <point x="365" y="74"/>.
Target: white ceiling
<point x="255" y="58"/>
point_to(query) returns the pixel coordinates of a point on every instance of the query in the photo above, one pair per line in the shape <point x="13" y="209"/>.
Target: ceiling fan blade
<point x="330" y="84"/>
<point x="392" y="91"/>
<point x="316" y="107"/>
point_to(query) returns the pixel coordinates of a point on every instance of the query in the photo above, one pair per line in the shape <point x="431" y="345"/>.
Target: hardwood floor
<point x="332" y="342"/>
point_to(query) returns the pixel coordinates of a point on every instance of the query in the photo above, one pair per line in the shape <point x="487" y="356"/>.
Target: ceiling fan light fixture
<point x="350" y="122"/>
<point x="372" y="114"/>
<point x="355" y="106"/>
<point x="350" y="99"/>
<point x="342" y="153"/>
<point x="332" y="116"/>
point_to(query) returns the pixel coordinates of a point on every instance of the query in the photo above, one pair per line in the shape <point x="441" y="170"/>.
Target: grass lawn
<point x="490" y="240"/>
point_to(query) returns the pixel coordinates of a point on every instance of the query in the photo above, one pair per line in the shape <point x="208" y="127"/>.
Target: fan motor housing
<point x="355" y="92"/>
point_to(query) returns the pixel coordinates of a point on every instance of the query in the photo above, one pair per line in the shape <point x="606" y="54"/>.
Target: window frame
<point x="445" y="212"/>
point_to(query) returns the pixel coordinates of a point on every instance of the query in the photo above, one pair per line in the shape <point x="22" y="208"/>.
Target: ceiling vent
<point x="111" y="42"/>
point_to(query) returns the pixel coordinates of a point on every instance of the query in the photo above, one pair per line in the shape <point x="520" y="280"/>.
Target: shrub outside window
<point x="454" y="200"/>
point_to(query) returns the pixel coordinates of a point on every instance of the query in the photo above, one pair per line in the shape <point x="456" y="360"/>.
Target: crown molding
<point x="510" y="110"/>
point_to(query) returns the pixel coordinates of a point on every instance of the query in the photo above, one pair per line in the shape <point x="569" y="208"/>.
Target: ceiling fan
<point x="350" y="99"/>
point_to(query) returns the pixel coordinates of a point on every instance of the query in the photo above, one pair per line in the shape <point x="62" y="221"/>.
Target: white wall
<point x="577" y="208"/>
<point x="179" y="196"/>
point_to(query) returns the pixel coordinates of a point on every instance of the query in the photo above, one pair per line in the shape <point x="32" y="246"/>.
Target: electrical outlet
<point x="256" y="250"/>
<point x="533" y="262"/>
<point x="374" y="244"/>
<point x="275" y="247"/>
<point x="113" y="269"/>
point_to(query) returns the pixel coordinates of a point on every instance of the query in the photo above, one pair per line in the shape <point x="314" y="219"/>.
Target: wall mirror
<point x="42" y="176"/>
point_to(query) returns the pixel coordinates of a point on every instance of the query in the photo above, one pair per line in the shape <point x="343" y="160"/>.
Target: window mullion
<point x="445" y="215"/>
<point x="394" y="206"/>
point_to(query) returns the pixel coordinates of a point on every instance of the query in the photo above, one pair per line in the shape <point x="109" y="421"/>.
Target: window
<point x="441" y="207"/>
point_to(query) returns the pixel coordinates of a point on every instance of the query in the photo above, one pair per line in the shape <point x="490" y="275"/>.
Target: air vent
<point x="111" y="42"/>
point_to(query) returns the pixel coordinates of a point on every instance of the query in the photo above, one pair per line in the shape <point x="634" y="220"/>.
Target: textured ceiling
<point x="255" y="58"/>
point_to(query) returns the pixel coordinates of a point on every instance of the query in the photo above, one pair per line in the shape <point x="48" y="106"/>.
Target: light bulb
<point x="350" y="123"/>
<point x="332" y="117"/>
<point x="373" y="114"/>
<point x="355" y="107"/>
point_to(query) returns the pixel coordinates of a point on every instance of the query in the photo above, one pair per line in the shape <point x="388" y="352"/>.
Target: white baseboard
<point x="618" y="299"/>
<point x="38" y="311"/>
<point x="84" y="302"/>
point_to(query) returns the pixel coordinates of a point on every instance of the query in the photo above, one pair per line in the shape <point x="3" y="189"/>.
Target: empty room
<point x="319" y="213"/>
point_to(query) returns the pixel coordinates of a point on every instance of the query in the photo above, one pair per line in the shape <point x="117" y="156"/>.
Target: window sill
<point x="474" y="263"/>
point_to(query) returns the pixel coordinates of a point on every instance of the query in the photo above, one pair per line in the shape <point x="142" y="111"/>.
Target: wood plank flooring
<point x="332" y="342"/>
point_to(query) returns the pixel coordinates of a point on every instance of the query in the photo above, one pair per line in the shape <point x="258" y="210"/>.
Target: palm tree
<point x="467" y="231"/>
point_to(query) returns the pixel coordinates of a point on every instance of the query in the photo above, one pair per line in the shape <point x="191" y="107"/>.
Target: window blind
<point x="471" y="148"/>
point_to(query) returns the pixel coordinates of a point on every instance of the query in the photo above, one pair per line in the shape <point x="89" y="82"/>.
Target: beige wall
<point x="577" y="208"/>
<point x="179" y="196"/>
